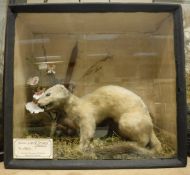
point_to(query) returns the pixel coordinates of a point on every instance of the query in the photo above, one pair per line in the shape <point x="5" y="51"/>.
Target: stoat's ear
<point x="63" y="87"/>
<point x="65" y="90"/>
<point x="71" y="88"/>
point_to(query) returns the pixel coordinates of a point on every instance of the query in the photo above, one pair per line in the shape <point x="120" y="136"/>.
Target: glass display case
<point x="85" y="89"/>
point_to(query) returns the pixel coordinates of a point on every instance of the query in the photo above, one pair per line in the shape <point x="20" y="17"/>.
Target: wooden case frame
<point x="94" y="164"/>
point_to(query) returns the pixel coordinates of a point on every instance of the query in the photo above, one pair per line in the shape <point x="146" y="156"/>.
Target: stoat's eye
<point x="48" y="94"/>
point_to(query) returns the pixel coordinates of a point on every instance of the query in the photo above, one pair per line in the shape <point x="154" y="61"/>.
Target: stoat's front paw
<point x="85" y="148"/>
<point x="88" y="151"/>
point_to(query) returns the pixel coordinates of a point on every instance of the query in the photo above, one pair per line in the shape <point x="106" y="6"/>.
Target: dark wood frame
<point x="181" y="158"/>
<point x="188" y="130"/>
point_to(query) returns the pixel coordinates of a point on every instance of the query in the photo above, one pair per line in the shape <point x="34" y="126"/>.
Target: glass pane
<point x="117" y="76"/>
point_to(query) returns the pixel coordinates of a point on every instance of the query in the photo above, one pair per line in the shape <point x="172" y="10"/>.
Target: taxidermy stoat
<point x="125" y="107"/>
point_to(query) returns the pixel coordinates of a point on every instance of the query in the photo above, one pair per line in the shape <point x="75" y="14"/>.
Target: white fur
<point x="122" y="105"/>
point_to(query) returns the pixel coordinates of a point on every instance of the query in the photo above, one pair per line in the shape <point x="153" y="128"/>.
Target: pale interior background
<point x="130" y="53"/>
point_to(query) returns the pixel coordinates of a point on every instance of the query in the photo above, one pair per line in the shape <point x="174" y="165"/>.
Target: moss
<point x="167" y="148"/>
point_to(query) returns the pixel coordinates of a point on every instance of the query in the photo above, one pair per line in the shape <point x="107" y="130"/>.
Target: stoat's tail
<point x="133" y="148"/>
<point x="127" y="148"/>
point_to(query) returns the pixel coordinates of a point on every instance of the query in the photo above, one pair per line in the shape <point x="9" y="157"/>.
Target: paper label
<point x="32" y="148"/>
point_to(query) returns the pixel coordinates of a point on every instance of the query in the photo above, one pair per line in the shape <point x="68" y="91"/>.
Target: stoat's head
<point x="54" y="97"/>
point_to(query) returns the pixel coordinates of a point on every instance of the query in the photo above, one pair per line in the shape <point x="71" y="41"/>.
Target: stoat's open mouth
<point x="47" y="107"/>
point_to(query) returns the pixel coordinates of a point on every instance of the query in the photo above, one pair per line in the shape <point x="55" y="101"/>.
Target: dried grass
<point x="68" y="148"/>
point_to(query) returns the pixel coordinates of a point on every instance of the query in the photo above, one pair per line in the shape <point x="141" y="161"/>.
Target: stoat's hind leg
<point x="136" y="128"/>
